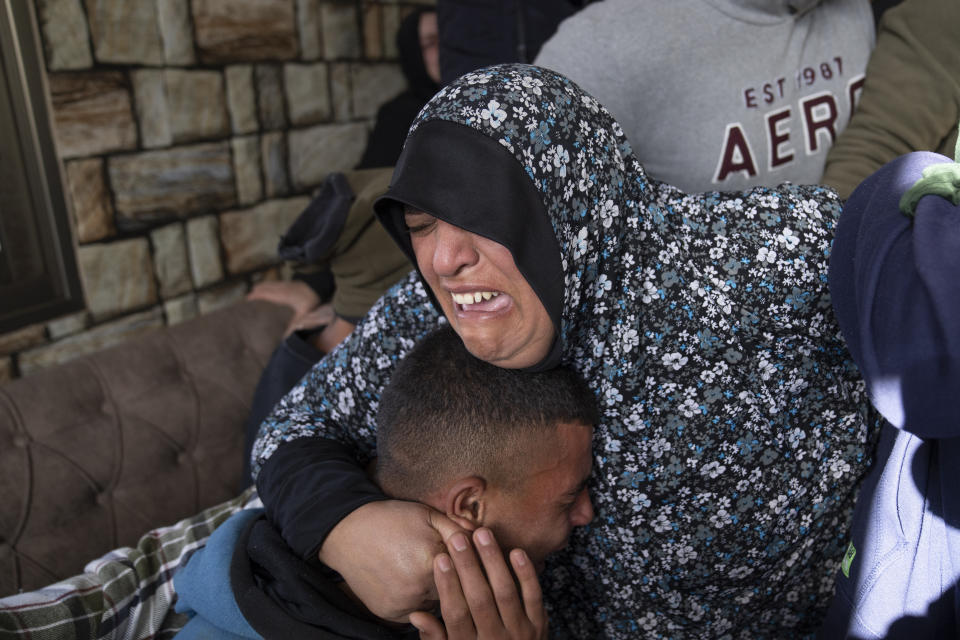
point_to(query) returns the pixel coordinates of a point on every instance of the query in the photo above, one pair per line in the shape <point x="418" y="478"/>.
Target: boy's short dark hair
<point x="447" y="414"/>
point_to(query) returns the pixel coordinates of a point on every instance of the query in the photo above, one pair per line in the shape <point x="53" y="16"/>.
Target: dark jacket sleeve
<point x="308" y="454"/>
<point x="308" y="486"/>
<point x="894" y="287"/>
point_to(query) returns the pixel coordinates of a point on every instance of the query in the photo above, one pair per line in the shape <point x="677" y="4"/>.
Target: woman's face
<point x="430" y="44"/>
<point x="489" y="304"/>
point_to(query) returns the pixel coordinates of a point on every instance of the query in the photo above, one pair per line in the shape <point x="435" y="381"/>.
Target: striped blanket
<point x="125" y="594"/>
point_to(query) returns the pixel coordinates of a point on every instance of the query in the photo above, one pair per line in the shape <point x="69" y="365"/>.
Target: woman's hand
<point x="384" y="551"/>
<point x="481" y="606"/>
<point x="297" y="295"/>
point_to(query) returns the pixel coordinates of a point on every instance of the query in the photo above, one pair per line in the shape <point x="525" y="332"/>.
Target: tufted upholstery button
<point x="20" y="441"/>
<point x="103" y="499"/>
<point x="183" y="458"/>
<point x="198" y="454"/>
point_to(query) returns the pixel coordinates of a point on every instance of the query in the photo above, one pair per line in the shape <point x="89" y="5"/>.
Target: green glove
<point x="938" y="179"/>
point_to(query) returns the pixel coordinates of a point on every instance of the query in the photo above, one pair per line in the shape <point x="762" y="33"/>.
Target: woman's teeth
<point x="475" y="297"/>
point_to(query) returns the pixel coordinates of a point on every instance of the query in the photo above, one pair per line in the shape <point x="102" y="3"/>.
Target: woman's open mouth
<point x="480" y="301"/>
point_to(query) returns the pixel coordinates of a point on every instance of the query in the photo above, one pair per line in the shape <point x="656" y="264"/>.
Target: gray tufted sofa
<point x="95" y="452"/>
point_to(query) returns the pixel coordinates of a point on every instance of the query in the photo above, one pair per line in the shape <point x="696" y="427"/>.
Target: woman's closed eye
<point x="418" y="222"/>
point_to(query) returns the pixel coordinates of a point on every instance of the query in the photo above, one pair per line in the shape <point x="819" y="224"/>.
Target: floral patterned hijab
<point x="734" y="428"/>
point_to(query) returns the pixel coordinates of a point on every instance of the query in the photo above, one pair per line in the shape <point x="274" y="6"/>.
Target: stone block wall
<point x="191" y="133"/>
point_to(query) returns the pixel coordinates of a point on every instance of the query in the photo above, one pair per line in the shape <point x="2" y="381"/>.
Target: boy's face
<point x="539" y="512"/>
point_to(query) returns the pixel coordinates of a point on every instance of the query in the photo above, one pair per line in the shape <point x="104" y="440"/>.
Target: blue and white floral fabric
<point x="735" y="428"/>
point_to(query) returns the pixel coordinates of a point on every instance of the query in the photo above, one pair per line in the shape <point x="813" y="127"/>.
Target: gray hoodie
<point x="721" y="94"/>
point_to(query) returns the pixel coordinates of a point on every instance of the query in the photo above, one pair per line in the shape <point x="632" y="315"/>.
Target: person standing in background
<point x="479" y="34"/>
<point x="894" y="286"/>
<point x="911" y="95"/>
<point x="721" y="94"/>
<point x="418" y="46"/>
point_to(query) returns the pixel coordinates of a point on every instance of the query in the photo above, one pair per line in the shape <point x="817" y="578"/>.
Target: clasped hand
<point x="483" y="602"/>
<point x="399" y="557"/>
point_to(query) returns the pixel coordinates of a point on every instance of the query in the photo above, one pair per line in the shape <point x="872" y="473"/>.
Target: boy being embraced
<point x="502" y="453"/>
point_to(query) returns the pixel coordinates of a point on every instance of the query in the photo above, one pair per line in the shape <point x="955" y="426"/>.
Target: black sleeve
<point x="308" y="486"/>
<point x="390" y="131"/>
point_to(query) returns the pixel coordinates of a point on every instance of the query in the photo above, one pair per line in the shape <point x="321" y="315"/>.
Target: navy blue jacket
<point x="895" y="285"/>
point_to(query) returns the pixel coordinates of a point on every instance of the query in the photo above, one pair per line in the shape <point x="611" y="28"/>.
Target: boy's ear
<point x="465" y="502"/>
